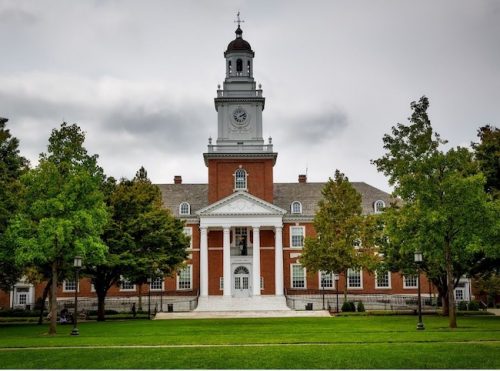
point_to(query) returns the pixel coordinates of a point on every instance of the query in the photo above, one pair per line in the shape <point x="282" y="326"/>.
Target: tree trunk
<point x="140" y="297"/>
<point x="101" y="302"/>
<point x="44" y="297"/>
<point x="446" y="305"/>
<point x="451" y="293"/>
<point x="53" y="301"/>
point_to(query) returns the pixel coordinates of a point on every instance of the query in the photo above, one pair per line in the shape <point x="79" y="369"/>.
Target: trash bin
<point x="309" y="306"/>
<point x="170" y="307"/>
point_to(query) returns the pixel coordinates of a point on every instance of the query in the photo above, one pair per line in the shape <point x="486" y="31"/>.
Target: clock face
<point x="240" y="115"/>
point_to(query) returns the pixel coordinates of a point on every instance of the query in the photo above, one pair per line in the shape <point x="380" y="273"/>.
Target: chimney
<point x="177" y="179"/>
<point x="302" y="178"/>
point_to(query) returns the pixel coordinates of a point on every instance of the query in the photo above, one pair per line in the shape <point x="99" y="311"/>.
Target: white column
<point x="226" y="258"/>
<point x="278" y="260"/>
<point x="203" y="262"/>
<point x="256" y="262"/>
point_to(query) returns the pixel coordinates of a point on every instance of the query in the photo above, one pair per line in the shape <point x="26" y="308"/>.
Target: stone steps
<point x="241" y="314"/>
<point x="254" y="303"/>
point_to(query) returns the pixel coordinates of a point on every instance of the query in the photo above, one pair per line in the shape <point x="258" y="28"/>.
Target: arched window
<point x="184" y="209"/>
<point x="378" y="206"/>
<point x="240" y="180"/>
<point x="248" y="68"/>
<point x="229" y="67"/>
<point x="239" y="66"/>
<point x="296" y="207"/>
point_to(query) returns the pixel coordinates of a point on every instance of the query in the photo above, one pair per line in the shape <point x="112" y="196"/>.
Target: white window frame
<point x="406" y="286"/>
<point x="320" y="276"/>
<point x="291" y="276"/>
<point x="123" y="281"/>
<point x="389" y="282"/>
<point x="236" y="183"/>
<point x="378" y="208"/>
<point x="292" y="227"/>
<point x="190" y="267"/>
<point x="292" y="208"/>
<point x="349" y="271"/>
<point x="181" y="212"/>
<point x="162" y="280"/>
<point x="188" y="231"/>
<point x="65" y="284"/>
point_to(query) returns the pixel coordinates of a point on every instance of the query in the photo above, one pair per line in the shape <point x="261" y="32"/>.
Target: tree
<point x="344" y="238"/>
<point x="63" y="213"/>
<point x="445" y="212"/>
<point x="143" y="238"/>
<point x="487" y="153"/>
<point x="12" y="166"/>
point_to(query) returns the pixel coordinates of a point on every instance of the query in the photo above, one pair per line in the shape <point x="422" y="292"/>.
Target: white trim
<point x="188" y="206"/>
<point x="291" y="277"/>
<point x="319" y="280"/>
<point x="360" y="279"/>
<point x="303" y="235"/>
<point x="71" y="290"/>
<point x="162" y="285"/>
<point x="405" y="286"/>
<point x="246" y="180"/>
<point x="376" y="208"/>
<point x="389" y="280"/>
<point x="190" y="267"/>
<point x="124" y="280"/>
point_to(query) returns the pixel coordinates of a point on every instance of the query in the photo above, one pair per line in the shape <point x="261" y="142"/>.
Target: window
<point x="184" y="278"/>
<point x="262" y="283"/>
<point x="188" y="231"/>
<point x="298" y="276"/>
<point x="221" y="283"/>
<point x="248" y="68"/>
<point x="378" y="206"/>
<point x="69" y="286"/>
<point x="459" y="295"/>
<point x="157" y="284"/>
<point x="229" y="67"/>
<point x="325" y="280"/>
<point x="296" y="207"/>
<point x="126" y="285"/>
<point x="410" y="282"/>
<point x="297" y="236"/>
<point x="382" y="280"/>
<point x="240" y="179"/>
<point x="354" y="279"/>
<point x="184" y="209"/>
<point x="239" y="66"/>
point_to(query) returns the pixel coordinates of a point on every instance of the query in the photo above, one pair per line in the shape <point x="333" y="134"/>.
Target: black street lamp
<point x="77" y="263"/>
<point x="323" y="290"/>
<point x="336" y="278"/>
<point x="149" y="297"/>
<point x="418" y="261"/>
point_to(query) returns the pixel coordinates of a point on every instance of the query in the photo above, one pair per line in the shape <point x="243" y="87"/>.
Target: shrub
<point x="348" y="306"/>
<point x="462" y="305"/>
<point x="473" y="305"/>
<point x="361" y="307"/>
<point x="19" y="313"/>
<point x="107" y="311"/>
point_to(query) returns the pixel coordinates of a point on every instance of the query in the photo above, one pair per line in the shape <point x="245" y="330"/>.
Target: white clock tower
<point x="239" y="103"/>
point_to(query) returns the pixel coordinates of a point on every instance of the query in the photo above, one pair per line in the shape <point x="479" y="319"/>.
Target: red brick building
<point x="247" y="231"/>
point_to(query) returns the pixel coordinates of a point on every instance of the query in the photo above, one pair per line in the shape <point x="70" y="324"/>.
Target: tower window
<point x="239" y="66"/>
<point x="240" y="180"/>
<point x="229" y="67"/>
<point x="248" y="68"/>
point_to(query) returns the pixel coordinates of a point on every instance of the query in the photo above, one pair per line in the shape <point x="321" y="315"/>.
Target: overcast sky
<point x="140" y="77"/>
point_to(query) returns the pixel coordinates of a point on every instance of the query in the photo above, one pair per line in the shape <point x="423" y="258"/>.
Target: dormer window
<point x="296" y="207"/>
<point x="184" y="209"/>
<point x="240" y="180"/>
<point x="378" y="206"/>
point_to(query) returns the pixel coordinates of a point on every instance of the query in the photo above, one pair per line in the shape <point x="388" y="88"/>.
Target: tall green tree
<point x="344" y="237"/>
<point x="12" y="166"/>
<point x="63" y="213"/>
<point x="445" y="214"/>
<point x="143" y="238"/>
<point x="487" y="153"/>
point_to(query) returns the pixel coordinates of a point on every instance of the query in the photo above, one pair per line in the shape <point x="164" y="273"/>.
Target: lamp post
<point x="323" y="290"/>
<point x="149" y="297"/>
<point x="77" y="263"/>
<point x="418" y="261"/>
<point x="336" y="278"/>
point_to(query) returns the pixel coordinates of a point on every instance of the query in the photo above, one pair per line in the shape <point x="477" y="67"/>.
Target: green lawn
<point x="342" y="342"/>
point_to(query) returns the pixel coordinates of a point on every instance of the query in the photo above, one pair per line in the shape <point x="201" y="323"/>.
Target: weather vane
<point x="238" y="19"/>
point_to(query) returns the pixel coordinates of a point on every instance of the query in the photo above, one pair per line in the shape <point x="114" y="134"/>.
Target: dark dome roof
<point x="238" y="44"/>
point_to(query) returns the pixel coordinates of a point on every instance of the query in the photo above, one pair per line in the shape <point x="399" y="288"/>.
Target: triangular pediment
<point x="241" y="203"/>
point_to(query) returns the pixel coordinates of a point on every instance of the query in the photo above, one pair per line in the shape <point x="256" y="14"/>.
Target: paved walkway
<point x="496" y="312"/>
<point x="243" y="314"/>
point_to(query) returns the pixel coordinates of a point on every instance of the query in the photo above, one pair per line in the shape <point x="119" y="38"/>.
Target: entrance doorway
<point x="241" y="282"/>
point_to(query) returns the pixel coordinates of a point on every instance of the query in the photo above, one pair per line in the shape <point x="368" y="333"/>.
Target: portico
<point x="242" y="216"/>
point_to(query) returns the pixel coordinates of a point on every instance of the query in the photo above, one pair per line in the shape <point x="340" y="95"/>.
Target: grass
<point x="342" y="342"/>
